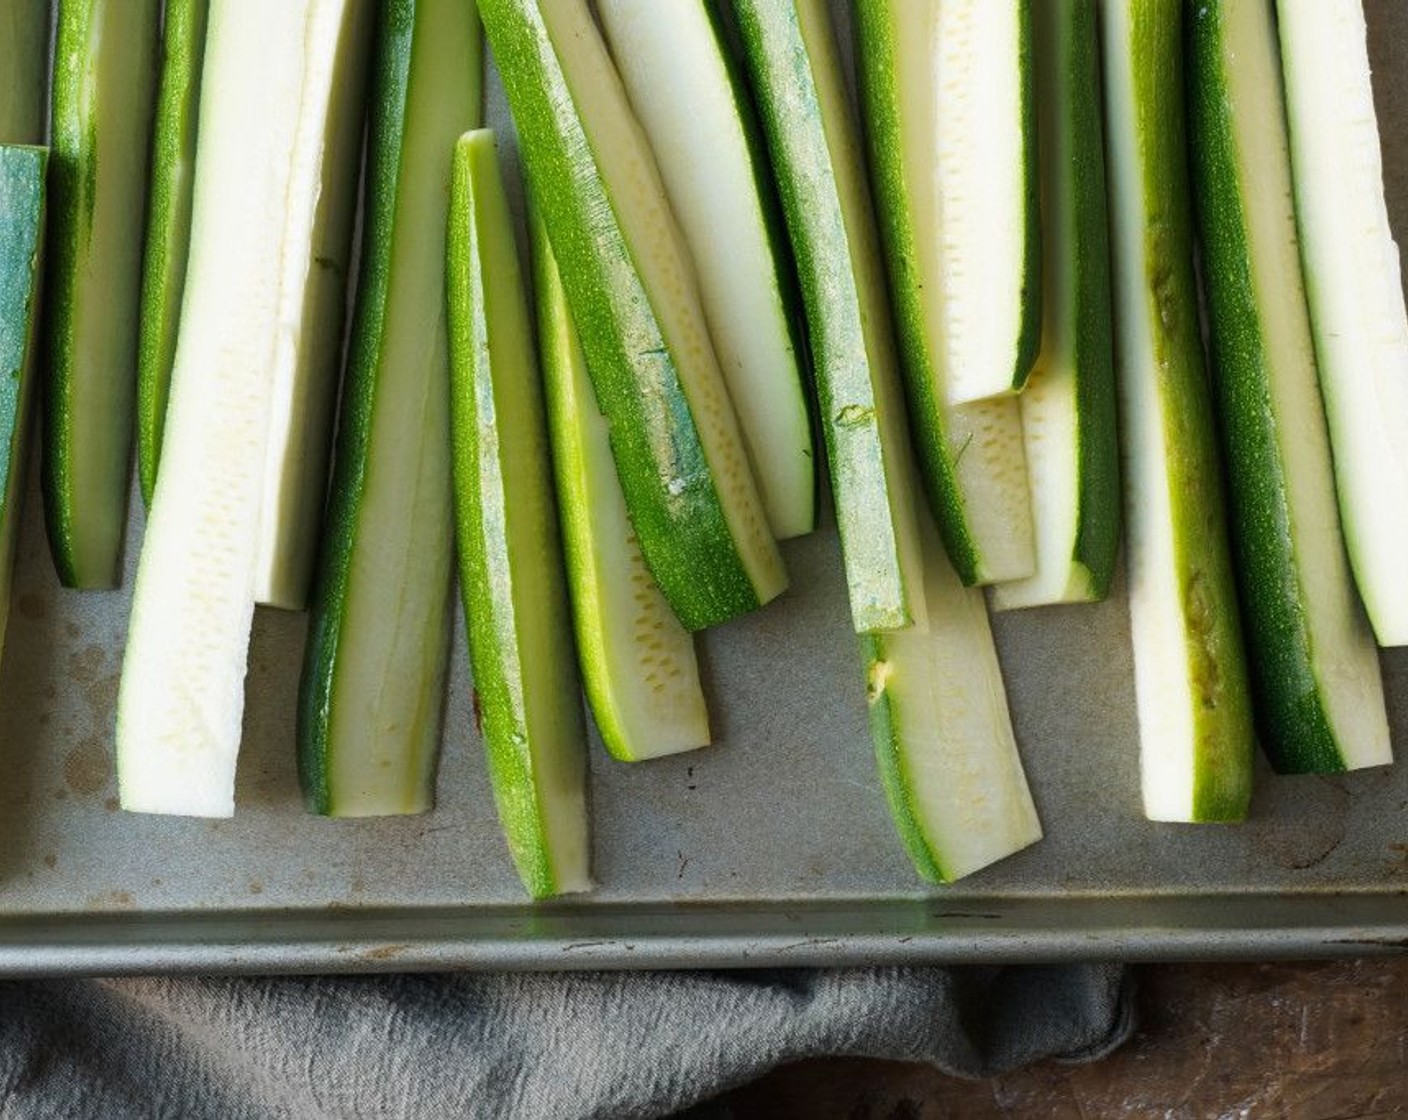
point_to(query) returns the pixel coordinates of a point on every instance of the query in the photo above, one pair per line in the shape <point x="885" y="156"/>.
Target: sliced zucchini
<point x="1190" y="675"/>
<point x="511" y="576"/>
<point x="168" y="225"/>
<point x="972" y="461"/>
<point x="794" y="63"/>
<point x="638" y="663"/>
<point x="374" y="672"/>
<point x="943" y="733"/>
<point x="22" y="177"/>
<point x="305" y="389"/>
<point x="270" y="71"/>
<point x="630" y="280"/>
<point x="1355" y="291"/>
<point x="695" y="109"/>
<point x="1068" y="406"/>
<point x="962" y="123"/>
<point x="1315" y="668"/>
<point x="24" y="65"/>
<point x="101" y="113"/>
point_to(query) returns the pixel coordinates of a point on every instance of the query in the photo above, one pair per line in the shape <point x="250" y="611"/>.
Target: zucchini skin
<point x="1097" y="540"/>
<point x="1163" y="279"/>
<point x="22" y="201"/>
<point x="887" y="734"/>
<point x="875" y="76"/>
<point x="590" y="508"/>
<point x="349" y="532"/>
<point x="774" y="223"/>
<point x="671" y="493"/>
<point x="86" y="528"/>
<point x="503" y="493"/>
<point x="852" y="344"/>
<point x="1033" y="298"/>
<point x="168" y="225"/>
<point x="1294" y="725"/>
<point x="1002" y="548"/>
<point x="1351" y="268"/>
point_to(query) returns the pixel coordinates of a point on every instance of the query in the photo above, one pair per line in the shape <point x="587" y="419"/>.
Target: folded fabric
<point x="568" y="1045"/>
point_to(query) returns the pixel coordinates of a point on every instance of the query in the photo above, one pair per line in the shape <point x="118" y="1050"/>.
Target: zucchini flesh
<point x="515" y="598"/>
<point x="679" y="452"/>
<point x="1354" y="290"/>
<point x="22" y="179"/>
<point x="1068" y="405"/>
<point x="374" y="674"/>
<point x="964" y="83"/>
<point x="638" y="663"/>
<point x="943" y="733"/>
<point x="1195" y="720"/>
<point x="105" y="58"/>
<point x="24" y="59"/>
<point x="168" y="225"/>
<point x="1315" y="669"/>
<point x="269" y="73"/>
<point x="305" y="389"/>
<point x="696" y="113"/>
<point x="972" y="461"/>
<point x="793" y="59"/>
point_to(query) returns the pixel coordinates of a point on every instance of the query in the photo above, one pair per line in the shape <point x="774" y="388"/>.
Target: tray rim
<point x="914" y="931"/>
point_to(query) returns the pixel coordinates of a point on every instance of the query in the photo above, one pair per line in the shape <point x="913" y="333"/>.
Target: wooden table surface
<point x="1324" y="1041"/>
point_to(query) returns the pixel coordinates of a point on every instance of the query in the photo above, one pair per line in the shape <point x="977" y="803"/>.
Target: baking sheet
<point x="773" y="846"/>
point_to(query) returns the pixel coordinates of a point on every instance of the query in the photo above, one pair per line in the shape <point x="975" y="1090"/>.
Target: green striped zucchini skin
<point x="510" y="555"/>
<point x="22" y="197"/>
<point x="1315" y="671"/>
<point x="817" y="159"/>
<point x="681" y="461"/>
<point x="1190" y="666"/>
<point x="101" y="116"/>
<point x="168" y="227"/>
<point x="374" y="671"/>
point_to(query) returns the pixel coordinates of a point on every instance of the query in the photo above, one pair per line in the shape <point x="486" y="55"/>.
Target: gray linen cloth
<point x="569" y="1046"/>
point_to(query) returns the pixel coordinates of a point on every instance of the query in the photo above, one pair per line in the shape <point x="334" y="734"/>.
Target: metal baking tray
<point x="771" y="848"/>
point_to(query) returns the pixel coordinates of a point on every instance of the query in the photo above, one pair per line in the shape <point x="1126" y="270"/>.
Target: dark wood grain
<point x="1322" y="1041"/>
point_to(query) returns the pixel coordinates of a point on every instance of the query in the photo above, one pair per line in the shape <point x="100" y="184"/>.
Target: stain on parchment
<point x="33" y="606"/>
<point x="102" y="697"/>
<point x="87" y="767"/>
<point x="87" y="663"/>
